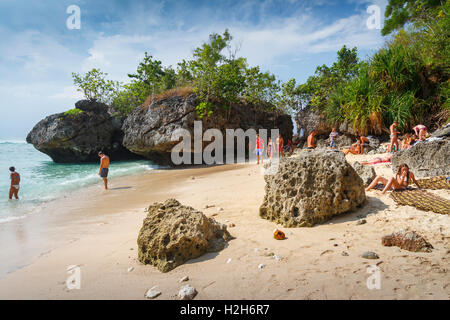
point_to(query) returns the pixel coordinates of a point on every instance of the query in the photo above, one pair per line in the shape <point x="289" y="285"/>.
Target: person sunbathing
<point x="406" y="143"/>
<point x="378" y="160"/>
<point x="399" y="182"/>
<point x="356" y="148"/>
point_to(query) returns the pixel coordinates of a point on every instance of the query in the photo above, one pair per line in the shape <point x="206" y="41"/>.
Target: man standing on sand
<point x="312" y="140"/>
<point x="15" y="180"/>
<point x="104" y="168"/>
<point x="394" y="139"/>
<point x="280" y="145"/>
<point x="259" y="148"/>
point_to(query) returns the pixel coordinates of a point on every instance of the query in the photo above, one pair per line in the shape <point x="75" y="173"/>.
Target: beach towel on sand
<point x="434" y="183"/>
<point x="422" y="200"/>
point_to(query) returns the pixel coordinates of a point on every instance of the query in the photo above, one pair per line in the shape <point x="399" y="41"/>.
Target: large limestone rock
<point x="71" y="138"/>
<point x="367" y="173"/>
<point x="310" y="188"/>
<point x="173" y="234"/>
<point x="309" y="119"/>
<point x="148" y="129"/>
<point x="425" y="159"/>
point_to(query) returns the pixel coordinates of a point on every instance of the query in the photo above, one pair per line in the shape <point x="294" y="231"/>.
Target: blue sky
<point x="38" y="53"/>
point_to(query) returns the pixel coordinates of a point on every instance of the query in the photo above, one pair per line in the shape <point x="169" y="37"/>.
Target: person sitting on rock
<point x="364" y="143"/>
<point x="406" y="143"/>
<point x="400" y="182"/>
<point x="356" y="148"/>
<point x="311" y="140"/>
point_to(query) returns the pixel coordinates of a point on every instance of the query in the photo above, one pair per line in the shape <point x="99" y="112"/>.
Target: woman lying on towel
<point x="378" y="160"/>
<point x="400" y="182"/>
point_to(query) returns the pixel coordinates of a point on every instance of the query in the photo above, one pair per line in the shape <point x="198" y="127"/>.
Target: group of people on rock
<point x="420" y="134"/>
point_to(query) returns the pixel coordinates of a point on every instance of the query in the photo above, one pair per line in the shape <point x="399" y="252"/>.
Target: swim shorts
<point x="333" y="144"/>
<point x="104" y="173"/>
<point x="259" y="152"/>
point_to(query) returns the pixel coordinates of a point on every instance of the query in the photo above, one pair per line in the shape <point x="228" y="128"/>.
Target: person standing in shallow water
<point x="104" y="168"/>
<point x="15" y="180"/>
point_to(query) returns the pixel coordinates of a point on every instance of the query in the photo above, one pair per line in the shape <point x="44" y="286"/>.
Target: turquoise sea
<point x="43" y="180"/>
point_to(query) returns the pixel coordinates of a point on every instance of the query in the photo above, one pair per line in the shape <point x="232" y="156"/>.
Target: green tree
<point x="95" y="86"/>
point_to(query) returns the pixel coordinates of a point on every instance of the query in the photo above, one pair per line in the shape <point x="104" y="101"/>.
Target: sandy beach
<point x="97" y="230"/>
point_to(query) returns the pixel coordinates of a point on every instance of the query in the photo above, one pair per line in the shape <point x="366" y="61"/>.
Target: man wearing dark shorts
<point x="104" y="168"/>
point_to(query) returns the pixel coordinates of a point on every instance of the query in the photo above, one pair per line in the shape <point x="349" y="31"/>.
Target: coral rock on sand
<point x="187" y="292"/>
<point x="172" y="234"/>
<point x="311" y="188"/>
<point x="367" y="173"/>
<point x="425" y="159"/>
<point x="408" y="240"/>
<point x="370" y="255"/>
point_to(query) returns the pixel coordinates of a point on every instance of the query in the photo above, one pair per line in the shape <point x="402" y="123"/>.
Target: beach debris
<point x="278" y="234"/>
<point x="367" y="173"/>
<point x="229" y="260"/>
<point x="207" y="206"/>
<point x="344" y="253"/>
<point x="187" y="292"/>
<point x="192" y="177"/>
<point x="370" y="255"/>
<point x="335" y="245"/>
<point x="277" y="257"/>
<point x="219" y="209"/>
<point x="297" y="196"/>
<point x="130" y="269"/>
<point x="269" y="254"/>
<point x="185" y="278"/>
<point x="172" y="234"/>
<point x="152" y="293"/>
<point x="261" y="265"/>
<point x="407" y="240"/>
<point x="231" y="225"/>
<point x="361" y="221"/>
<point x="326" y="252"/>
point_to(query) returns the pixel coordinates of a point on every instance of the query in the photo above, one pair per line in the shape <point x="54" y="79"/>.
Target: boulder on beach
<point x="407" y="240"/>
<point x="310" y="188"/>
<point x="367" y="173"/>
<point x="173" y="234"/>
<point x="148" y="129"/>
<point x="78" y="135"/>
<point x="426" y="158"/>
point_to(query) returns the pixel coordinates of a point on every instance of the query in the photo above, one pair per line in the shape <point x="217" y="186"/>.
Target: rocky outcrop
<point x="407" y="240"/>
<point x="367" y="173"/>
<point x="173" y="234"/>
<point x="309" y="119"/>
<point x="443" y="132"/>
<point x="311" y="187"/>
<point x="425" y="159"/>
<point x="79" y="136"/>
<point x="148" y="130"/>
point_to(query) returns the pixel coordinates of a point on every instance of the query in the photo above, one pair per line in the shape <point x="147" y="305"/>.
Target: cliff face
<point x="70" y="138"/>
<point x="309" y="119"/>
<point x="148" y="131"/>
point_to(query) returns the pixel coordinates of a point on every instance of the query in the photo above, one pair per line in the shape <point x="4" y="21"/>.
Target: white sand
<point x="97" y="230"/>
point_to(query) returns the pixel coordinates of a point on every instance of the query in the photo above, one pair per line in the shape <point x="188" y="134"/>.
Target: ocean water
<point x="43" y="180"/>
